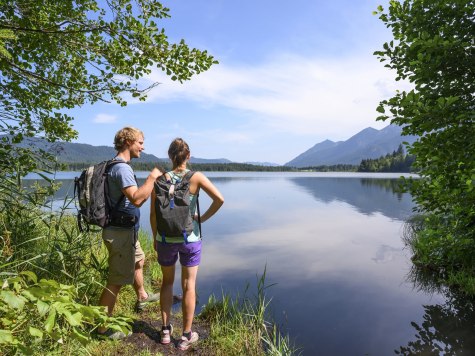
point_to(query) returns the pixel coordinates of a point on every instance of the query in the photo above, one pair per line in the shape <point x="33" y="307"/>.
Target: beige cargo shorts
<point x="122" y="254"/>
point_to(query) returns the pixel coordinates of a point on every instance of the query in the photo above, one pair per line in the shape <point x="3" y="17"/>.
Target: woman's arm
<point x="204" y="183"/>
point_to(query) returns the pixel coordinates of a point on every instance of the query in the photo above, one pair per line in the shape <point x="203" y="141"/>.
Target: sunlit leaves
<point x="434" y="50"/>
<point x="34" y="311"/>
<point x="6" y="337"/>
<point x="5" y="35"/>
<point x="64" y="54"/>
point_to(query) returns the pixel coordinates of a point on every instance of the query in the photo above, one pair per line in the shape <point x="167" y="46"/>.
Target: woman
<point x="187" y="247"/>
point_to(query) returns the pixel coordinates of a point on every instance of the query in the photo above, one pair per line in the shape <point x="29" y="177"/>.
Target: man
<point x="126" y="257"/>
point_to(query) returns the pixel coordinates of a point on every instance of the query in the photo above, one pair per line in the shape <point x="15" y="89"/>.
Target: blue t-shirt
<point x="121" y="176"/>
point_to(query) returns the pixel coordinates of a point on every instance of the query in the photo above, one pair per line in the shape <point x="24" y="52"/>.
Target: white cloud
<point x="293" y="94"/>
<point x="221" y="136"/>
<point x="315" y="256"/>
<point x="105" y="119"/>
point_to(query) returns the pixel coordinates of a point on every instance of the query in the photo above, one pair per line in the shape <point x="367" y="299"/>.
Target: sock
<point x="187" y="335"/>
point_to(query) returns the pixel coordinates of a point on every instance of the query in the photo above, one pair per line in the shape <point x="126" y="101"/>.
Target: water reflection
<point x="447" y="328"/>
<point x="339" y="271"/>
<point x="368" y="196"/>
<point x="333" y="247"/>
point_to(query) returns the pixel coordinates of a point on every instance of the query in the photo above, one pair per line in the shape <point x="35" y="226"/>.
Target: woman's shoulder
<point x="197" y="176"/>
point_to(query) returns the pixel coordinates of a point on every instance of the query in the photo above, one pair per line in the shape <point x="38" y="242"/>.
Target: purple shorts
<point x="190" y="254"/>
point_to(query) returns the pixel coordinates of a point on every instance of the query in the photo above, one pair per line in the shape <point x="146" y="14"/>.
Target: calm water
<point x="332" y="244"/>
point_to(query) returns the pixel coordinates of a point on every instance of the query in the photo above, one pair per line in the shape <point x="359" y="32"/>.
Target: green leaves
<point x="50" y="321"/>
<point x="13" y="300"/>
<point x="42" y="307"/>
<point x="35" y="332"/>
<point x="64" y="54"/>
<point x="434" y="51"/>
<point x="5" y="35"/>
<point x="43" y="311"/>
<point x="6" y="337"/>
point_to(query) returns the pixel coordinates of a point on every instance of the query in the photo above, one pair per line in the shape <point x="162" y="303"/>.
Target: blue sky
<point x="291" y="74"/>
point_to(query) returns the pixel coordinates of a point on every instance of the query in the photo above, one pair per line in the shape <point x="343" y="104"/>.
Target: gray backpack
<point x="172" y="207"/>
<point x="91" y="191"/>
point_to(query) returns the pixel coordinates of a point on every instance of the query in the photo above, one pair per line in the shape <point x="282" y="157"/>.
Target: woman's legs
<point x="166" y="293"/>
<point x="188" y="284"/>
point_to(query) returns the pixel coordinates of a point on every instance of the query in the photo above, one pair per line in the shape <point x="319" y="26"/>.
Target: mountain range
<point x="368" y="143"/>
<point x="70" y="152"/>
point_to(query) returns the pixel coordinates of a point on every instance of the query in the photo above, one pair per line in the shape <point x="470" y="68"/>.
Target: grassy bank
<point x="227" y="326"/>
<point x="443" y="252"/>
<point x="52" y="276"/>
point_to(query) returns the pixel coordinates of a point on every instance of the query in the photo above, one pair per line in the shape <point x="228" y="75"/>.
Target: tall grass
<point x="46" y="241"/>
<point x="51" y="275"/>
<point x="241" y="326"/>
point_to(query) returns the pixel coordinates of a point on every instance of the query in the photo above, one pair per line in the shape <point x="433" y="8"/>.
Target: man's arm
<point x="138" y="195"/>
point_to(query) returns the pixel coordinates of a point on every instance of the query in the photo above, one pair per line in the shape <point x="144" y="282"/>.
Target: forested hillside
<point x="397" y="161"/>
<point x="78" y="153"/>
<point x="206" y="167"/>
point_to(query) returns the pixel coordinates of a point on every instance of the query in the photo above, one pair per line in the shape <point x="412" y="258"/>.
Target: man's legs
<point x="143" y="298"/>
<point x="108" y="299"/>
<point x="115" y="241"/>
<point x="138" y="281"/>
<point x="188" y="284"/>
<point x="166" y="293"/>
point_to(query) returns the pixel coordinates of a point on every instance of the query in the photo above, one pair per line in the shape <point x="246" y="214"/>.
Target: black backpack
<point x="91" y="190"/>
<point x="172" y="207"/>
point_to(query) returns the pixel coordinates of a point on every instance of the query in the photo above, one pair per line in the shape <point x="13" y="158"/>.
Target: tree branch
<point x="47" y="31"/>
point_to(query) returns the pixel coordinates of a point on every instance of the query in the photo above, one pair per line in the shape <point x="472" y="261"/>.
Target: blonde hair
<point x="130" y="134"/>
<point x="178" y="152"/>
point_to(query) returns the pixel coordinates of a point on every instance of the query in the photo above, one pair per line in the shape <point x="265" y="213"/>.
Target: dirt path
<point x="146" y="336"/>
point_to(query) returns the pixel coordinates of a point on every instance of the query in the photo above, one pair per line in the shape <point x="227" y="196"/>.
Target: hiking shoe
<point x="141" y="304"/>
<point x="165" y="334"/>
<point x="185" y="343"/>
<point x="113" y="334"/>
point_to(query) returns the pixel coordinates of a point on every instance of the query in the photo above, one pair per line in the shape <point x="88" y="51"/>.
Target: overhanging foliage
<point x="434" y="49"/>
<point x="57" y="55"/>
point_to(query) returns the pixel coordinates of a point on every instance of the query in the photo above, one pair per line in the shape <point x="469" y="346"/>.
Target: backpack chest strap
<point x="171" y="194"/>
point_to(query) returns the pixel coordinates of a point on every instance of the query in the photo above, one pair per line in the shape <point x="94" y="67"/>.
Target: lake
<point x="331" y="243"/>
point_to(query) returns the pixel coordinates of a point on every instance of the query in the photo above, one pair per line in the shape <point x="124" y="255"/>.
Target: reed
<point x="241" y="326"/>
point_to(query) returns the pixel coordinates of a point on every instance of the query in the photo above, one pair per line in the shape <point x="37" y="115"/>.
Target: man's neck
<point x="125" y="155"/>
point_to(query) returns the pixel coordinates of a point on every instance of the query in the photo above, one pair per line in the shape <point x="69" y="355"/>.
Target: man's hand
<point x="137" y="196"/>
<point x="161" y="169"/>
<point x="155" y="173"/>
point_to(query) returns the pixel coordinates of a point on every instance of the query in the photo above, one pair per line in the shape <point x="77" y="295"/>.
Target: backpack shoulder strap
<point x="113" y="162"/>
<point x="109" y="165"/>
<point x="187" y="176"/>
